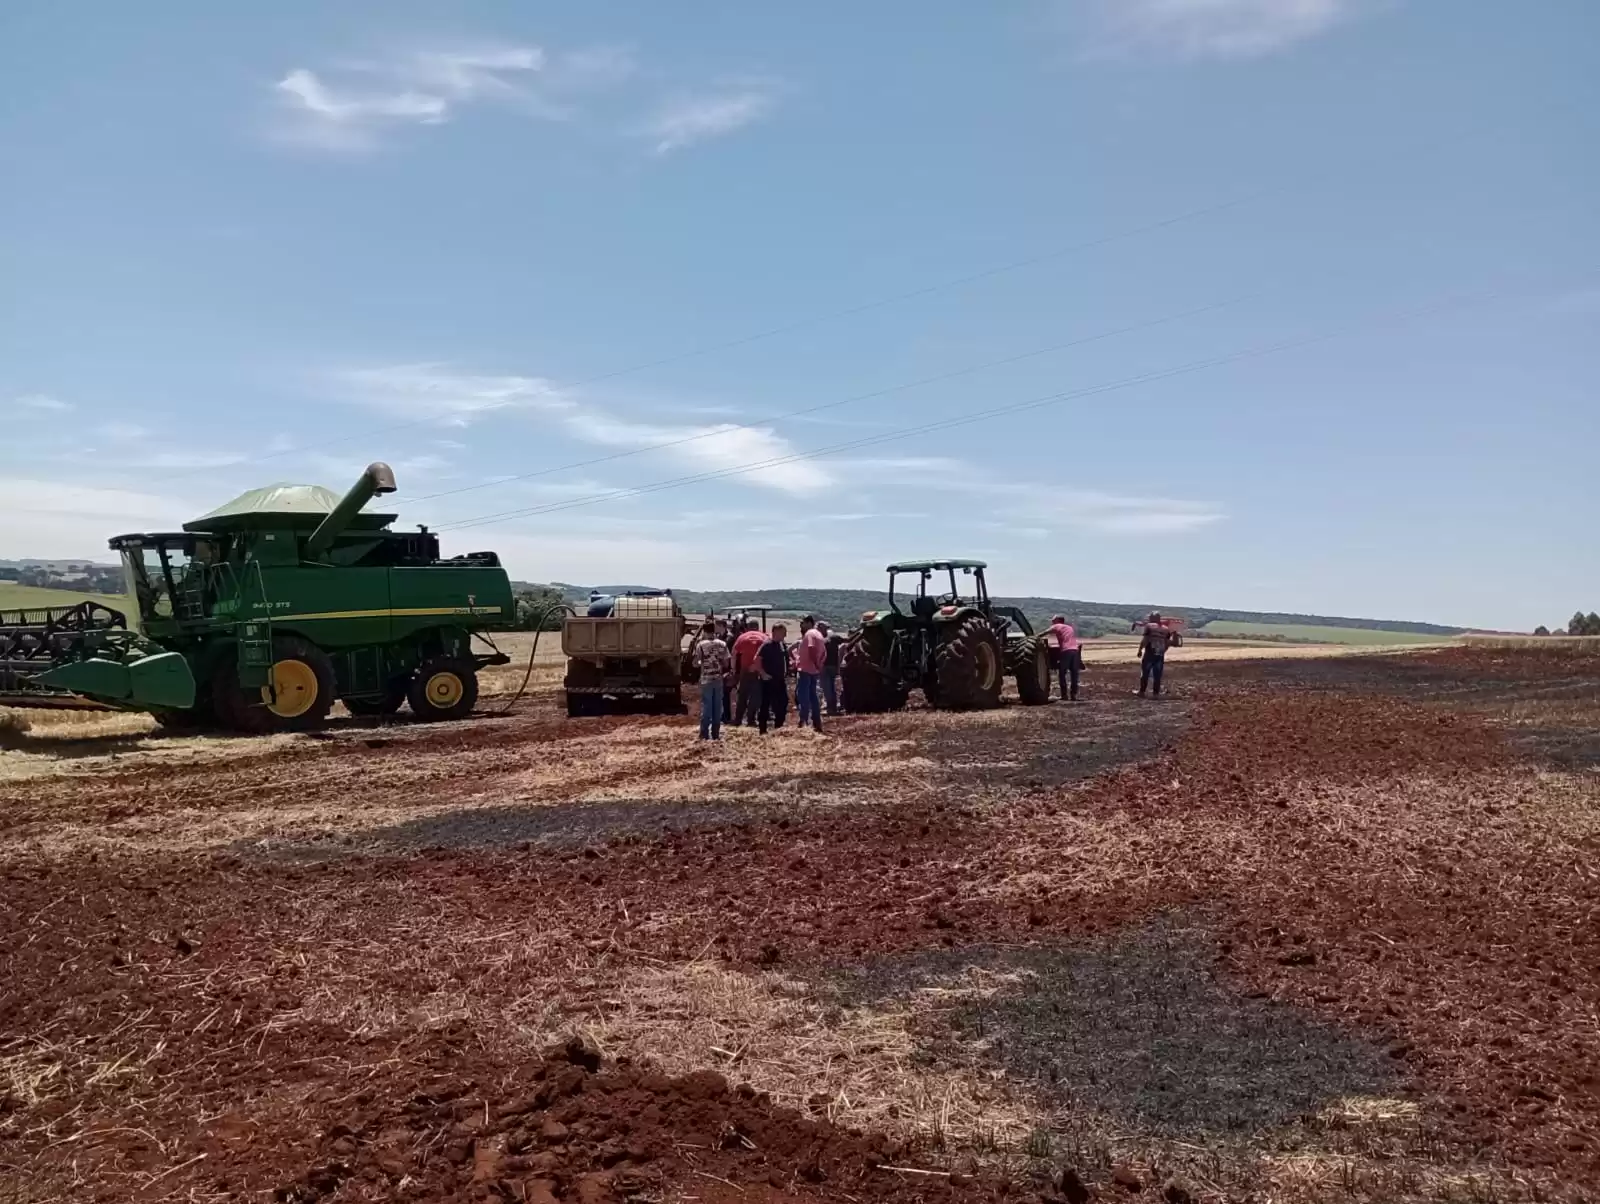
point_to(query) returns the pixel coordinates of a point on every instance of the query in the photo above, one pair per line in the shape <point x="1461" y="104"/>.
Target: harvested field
<point x="1315" y="928"/>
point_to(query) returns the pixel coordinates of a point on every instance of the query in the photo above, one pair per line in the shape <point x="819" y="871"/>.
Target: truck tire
<point x="970" y="666"/>
<point x="1030" y="665"/>
<point x="303" y="695"/>
<point x="444" y="687"/>
<point x="866" y="689"/>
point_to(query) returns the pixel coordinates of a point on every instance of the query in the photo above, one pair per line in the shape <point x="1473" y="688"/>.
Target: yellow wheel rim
<point x="445" y="689"/>
<point x="988" y="667"/>
<point x="294" y="689"/>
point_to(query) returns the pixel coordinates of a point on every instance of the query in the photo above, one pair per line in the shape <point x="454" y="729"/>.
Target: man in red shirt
<point x="810" y="658"/>
<point x="747" y="672"/>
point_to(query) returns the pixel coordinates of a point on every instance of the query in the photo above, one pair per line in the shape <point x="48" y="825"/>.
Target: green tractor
<point x="954" y="645"/>
<point x="262" y="613"/>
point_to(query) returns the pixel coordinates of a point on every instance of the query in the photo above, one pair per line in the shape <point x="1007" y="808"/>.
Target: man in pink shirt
<point x="1071" y="654"/>
<point x="810" y="657"/>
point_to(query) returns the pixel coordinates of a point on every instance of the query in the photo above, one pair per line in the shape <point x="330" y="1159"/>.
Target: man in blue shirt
<point x="772" y="660"/>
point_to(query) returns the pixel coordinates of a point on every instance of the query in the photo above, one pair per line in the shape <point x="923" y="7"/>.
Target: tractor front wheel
<point x="866" y="686"/>
<point x="299" y="699"/>
<point x="1030" y="664"/>
<point x="444" y="687"/>
<point x="969" y="666"/>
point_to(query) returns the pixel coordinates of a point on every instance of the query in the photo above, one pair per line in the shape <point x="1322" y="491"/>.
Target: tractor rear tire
<point x="969" y="666"/>
<point x="302" y="696"/>
<point x="443" y="687"/>
<point x="866" y="688"/>
<point x="1030" y="664"/>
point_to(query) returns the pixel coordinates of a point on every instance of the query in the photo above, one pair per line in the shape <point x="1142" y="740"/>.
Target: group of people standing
<point x="745" y="672"/>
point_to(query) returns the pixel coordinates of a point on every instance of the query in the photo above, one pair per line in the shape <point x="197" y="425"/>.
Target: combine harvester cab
<point x="955" y="645"/>
<point x="285" y="600"/>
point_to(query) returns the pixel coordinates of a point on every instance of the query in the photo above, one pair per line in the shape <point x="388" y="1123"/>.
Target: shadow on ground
<point x="570" y="825"/>
<point x="1055" y="745"/>
<point x="1136" y="1027"/>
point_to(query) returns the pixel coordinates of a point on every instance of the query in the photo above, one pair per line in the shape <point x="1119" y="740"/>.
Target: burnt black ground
<point x="1136" y="1025"/>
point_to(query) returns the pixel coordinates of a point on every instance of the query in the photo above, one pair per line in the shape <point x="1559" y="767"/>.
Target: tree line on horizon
<point x="1579" y="624"/>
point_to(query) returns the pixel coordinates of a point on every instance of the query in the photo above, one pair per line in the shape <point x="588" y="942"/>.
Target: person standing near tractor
<point x="1153" y="644"/>
<point x="772" y="666"/>
<point x="711" y="658"/>
<point x="747" y="671"/>
<point x="1070" y="657"/>
<point x="728" y="678"/>
<point x="810" y="657"/>
<point x="830" y="668"/>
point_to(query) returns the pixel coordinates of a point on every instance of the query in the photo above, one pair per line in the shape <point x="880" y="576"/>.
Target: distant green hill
<point x="844" y="607"/>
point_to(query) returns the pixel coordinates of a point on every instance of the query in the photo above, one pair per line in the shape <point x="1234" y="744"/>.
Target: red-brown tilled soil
<point x="1397" y="853"/>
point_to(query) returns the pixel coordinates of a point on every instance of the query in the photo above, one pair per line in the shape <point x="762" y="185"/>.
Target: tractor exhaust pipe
<point x="378" y="478"/>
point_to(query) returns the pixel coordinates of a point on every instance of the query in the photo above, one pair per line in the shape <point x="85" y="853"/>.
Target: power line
<point x="726" y="428"/>
<point x="972" y="417"/>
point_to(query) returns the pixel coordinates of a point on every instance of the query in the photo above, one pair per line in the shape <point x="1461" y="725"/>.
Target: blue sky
<point x="245" y="243"/>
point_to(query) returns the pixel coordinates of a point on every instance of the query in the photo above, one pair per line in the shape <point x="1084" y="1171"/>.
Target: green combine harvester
<point x="261" y="614"/>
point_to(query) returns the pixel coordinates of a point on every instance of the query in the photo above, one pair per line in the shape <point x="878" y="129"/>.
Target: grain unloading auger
<point x="260" y="614"/>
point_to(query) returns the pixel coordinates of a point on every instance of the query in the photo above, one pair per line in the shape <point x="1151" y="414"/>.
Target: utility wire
<point x="1248" y="353"/>
<point x="726" y="428"/>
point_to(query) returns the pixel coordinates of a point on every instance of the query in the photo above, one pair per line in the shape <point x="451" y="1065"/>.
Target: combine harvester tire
<point x="445" y="687"/>
<point x="303" y="684"/>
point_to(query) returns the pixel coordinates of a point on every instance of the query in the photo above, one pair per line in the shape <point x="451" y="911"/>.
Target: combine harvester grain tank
<point x="261" y="614"/>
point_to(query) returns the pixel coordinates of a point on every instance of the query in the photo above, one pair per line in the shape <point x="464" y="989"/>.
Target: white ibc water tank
<point x="661" y="606"/>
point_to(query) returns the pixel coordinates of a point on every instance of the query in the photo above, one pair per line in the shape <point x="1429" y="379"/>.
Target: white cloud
<point x="354" y="105"/>
<point x="688" y="120"/>
<point x="70" y="520"/>
<point x="1219" y="28"/>
<point x="436" y="392"/>
<point x="1036" y="505"/>
<point x="43" y="401"/>
<point x="720" y="447"/>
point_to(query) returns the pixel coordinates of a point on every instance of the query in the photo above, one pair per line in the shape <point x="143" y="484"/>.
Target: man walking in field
<point x="809" y="660"/>
<point x="772" y="660"/>
<point x="711" y="658"/>
<point x="1158" y="636"/>
<point x="1070" y="657"/>
<point x="748" y="673"/>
